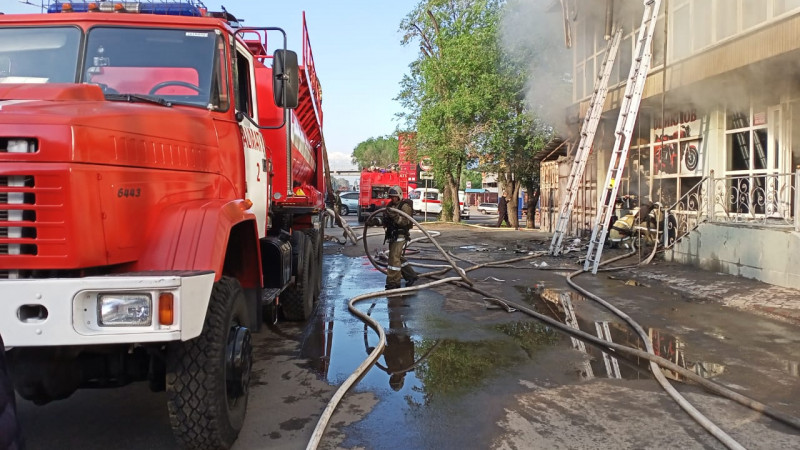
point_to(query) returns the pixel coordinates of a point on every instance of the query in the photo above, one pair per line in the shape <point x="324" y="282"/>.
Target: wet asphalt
<point x="458" y="373"/>
<point x="477" y="371"/>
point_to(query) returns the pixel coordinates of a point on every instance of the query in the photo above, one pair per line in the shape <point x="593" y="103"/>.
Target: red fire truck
<point x="374" y="189"/>
<point x="161" y="192"/>
<point x="375" y="182"/>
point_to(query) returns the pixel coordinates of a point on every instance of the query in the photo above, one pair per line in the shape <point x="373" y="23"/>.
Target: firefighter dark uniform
<point x="397" y="235"/>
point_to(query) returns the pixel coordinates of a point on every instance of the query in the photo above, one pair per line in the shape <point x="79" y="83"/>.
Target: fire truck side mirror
<point x="285" y="78"/>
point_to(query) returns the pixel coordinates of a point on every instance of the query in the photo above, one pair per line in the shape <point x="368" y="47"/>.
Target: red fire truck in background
<point x="375" y="182"/>
<point x="161" y="192"/>
<point x="374" y="189"/>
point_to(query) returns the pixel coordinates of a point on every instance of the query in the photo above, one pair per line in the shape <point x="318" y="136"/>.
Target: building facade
<point x="717" y="140"/>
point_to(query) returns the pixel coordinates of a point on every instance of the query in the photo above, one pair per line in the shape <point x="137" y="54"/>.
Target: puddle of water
<point x="424" y="356"/>
<point x="571" y="308"/>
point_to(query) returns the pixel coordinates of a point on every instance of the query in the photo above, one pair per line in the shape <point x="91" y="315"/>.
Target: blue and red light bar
<point x="189" y="8"/>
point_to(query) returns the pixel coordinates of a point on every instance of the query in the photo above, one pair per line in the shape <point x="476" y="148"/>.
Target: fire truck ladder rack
<point x="625" y="123"/>
<point x="309" y="97"/>
<point x="588" y="131"/>
<point x="309" y="108"/>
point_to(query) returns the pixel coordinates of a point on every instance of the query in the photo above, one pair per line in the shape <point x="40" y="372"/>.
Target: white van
<point x="429" y="200"/>
<point x="462" y="205"/>
<point x="426" y="200"/>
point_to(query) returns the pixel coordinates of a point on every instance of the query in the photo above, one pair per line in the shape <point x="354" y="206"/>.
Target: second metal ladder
<point x="588" y="131"/>
<point x="629" y="109"/>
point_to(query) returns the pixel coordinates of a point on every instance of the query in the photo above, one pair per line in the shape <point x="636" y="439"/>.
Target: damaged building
<point x="717" y="140"/>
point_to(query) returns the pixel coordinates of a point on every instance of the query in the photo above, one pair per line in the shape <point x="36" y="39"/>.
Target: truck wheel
<point x="298" y="300"/>
<point x="315" y="277"/>
<point x="361" y="217"/>
<point x="208" y="377"/>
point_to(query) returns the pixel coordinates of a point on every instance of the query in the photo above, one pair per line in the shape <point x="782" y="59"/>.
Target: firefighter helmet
<point x="395" y="191"/>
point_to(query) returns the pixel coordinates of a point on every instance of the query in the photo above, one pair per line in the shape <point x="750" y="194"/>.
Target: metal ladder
<point x="588" y="131"/>
<point x="611" y="363"/>
<point x="571" y="319"/>
<point x="627" y="119"/>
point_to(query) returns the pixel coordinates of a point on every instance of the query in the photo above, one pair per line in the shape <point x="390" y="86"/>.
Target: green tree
<point x="533" y="74"/>
<point x="376" y="151"/>
<point x="468" y="95"/>
<point x="474" y="177"/>
<point x="449" y="93"/>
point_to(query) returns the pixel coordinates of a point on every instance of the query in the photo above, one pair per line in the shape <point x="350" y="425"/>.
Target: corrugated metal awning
<point x="555" y="148"/>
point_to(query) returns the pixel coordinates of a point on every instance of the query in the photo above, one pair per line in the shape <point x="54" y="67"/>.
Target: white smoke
<point x="534" y="29"/>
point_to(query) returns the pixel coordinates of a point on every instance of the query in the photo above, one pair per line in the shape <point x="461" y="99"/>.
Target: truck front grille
<point x="18" y="215"/>
<point x="18" y="145"/>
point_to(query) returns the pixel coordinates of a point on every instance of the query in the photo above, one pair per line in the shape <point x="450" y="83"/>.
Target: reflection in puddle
<point x="398" y="355"/>
<point x="562" y="305"/>
<point x="457" y="366"/>
<point x="423" y="359"/>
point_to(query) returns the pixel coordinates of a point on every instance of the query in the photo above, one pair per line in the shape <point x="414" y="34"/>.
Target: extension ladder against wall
<point x="588" y="131"/>
<point x="629" y="109"/>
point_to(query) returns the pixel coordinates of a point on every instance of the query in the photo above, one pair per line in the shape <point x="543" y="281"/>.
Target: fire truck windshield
<point x="178" y="65"/>
<point x="39" y="55"/>
<point x="181" y="66"/>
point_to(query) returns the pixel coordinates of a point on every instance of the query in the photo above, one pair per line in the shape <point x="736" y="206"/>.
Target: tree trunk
<point x="513" y="204"/>
<point x="450" y="199"/>
<point x="511" y="187"/>
<point x="530" y="205"/>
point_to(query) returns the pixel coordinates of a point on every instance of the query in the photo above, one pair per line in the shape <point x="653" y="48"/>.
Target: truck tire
<point x="297" y="301"/>
<point x="315" y="277"/>
<point x="361" y="217"/>
<point x="10" y="430"/>
<point x="208" y="376"/>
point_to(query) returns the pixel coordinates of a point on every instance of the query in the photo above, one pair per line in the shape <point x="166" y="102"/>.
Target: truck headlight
<point x="124" y="310"/>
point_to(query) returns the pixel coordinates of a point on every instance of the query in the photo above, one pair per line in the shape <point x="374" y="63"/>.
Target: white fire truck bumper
<point x="103" y="310"/>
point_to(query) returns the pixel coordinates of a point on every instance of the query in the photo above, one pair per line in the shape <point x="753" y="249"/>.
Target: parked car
<point x="349" y="203"/>
<point x="488" y="208"/>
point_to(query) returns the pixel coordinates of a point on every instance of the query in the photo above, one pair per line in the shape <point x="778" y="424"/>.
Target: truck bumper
<point x="65" y="311"/>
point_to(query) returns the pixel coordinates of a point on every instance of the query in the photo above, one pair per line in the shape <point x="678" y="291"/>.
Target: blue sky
<point x="357" y="50"/>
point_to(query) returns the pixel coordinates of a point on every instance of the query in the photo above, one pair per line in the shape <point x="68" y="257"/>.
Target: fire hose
<point x="464" y="281"/>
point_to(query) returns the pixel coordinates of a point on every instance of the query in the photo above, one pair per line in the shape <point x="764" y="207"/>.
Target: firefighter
<point x="397" y="235"/>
